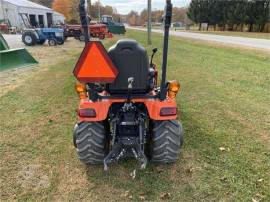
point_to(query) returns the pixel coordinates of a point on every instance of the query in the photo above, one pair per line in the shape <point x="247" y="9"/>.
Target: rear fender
<point x="153" y="107"/>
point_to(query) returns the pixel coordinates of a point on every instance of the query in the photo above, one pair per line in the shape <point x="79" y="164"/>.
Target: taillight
<point x="90" y="113"/>
<point x="168" y="111"/>
<point x="174" y="87"/>
<point x="81" y="90"/>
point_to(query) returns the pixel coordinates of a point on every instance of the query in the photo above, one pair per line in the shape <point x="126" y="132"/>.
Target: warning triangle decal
<point x="94" y="65"/>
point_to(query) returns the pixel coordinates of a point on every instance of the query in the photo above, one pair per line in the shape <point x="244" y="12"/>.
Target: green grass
<point x="257" y="35"/>
<point x="224" y="102"/>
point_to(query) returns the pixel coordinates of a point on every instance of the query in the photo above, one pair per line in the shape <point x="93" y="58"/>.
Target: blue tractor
<point x="55" y="36"/>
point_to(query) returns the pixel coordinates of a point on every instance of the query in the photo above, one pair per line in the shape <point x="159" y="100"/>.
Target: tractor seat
<point x="131" y="60"/>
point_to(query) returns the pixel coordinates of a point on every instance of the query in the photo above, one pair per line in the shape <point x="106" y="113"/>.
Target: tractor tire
<point x="167" y="139"/>
<point x="29" y="39"/>
<point x="90" y="141"/>
<point x="82" y="38"/>
<point x="41" y="42"/>
<point x="52" y="42"/>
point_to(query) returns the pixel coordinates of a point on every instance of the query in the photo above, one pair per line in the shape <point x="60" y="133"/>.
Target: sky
<point x="125" y="6"/>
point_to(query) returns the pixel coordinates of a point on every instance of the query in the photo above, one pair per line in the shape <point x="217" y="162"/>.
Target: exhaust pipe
<point x="167" y="25"/>
<point x="83" y="7"/>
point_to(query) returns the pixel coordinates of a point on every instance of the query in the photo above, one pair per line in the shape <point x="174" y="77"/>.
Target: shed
<point x="21" y="13"/>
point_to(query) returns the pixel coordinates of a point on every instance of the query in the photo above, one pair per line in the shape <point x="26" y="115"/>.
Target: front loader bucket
<point x="14" y="58"/>
<point x="3" y="43"/>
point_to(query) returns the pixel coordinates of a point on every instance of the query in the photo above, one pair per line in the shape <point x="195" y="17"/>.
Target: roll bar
<point x="84" y="19"/>
<point x="167" y="24"/>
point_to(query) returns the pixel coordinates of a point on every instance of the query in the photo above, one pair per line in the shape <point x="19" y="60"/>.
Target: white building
<point x="19" y="13"/>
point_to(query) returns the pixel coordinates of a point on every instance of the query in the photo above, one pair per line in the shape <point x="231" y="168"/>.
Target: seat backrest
<point x="131" y="60"/>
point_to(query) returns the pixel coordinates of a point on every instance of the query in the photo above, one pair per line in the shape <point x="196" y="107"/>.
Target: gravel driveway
<point x="232" y="40"/>
<point x="14" y="40"/>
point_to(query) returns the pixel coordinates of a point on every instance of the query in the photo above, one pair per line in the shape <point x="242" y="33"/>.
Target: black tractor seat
<point x="131" y="60"/>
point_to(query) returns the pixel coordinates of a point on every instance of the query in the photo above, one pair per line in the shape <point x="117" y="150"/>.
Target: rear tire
<point x="29" y="39"/>
<point x="167" y="139"/>
<point x="90" y="141"/>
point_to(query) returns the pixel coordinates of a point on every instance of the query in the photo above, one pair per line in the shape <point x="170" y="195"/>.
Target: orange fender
<point x="102" y="107"/>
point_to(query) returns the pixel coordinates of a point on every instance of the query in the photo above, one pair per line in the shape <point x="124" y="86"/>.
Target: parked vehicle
<point x="113" y="27"/>
<point x="54" y="36"/>
<point x="96" y="30"/>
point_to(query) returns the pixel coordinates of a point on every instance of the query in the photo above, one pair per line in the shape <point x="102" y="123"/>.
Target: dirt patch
<point x="32" y="178"/>
<point x="46" y="56"/>
<point x="74" y="185"/>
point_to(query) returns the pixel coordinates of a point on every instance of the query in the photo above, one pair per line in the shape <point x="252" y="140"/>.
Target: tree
<point x="157" y="16"/>
<point x="62" y="6"/>
<point x="262" y="15"/>
<point x="251" y="13"/>
<point x="198" y="11"/>
<point x="179" y="14"/>
<point x="237" y="13"/>
<point x="193" y="12"/>
<point x="143" y="17"/>
<point x="133" y="18"/>
<point x="74" y="12"/>
<point x="104" y="10"/>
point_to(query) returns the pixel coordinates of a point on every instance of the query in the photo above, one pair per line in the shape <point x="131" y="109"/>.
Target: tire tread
<point x="90" y="141"/>
<point x="167" y="140"/>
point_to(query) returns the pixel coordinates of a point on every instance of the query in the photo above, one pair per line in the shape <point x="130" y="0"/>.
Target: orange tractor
<point x="122" y="111"/>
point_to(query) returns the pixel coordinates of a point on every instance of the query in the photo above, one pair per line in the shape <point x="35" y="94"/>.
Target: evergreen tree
<point x="233" y="13"/>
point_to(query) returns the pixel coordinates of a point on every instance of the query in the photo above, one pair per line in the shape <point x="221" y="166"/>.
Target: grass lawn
<point x="224" y="107"/>
<point x="240" y="34"/>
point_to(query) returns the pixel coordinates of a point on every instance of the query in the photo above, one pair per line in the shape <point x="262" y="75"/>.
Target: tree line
<point x="231" y="14"/>
<point x="69" y="8"/>
<point x="135" y="18"/>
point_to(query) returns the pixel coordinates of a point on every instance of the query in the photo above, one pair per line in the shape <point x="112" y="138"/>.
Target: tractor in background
<point x="99" y="31"/>
<point x="54" y="36"/>
<point x="113" y="27"/>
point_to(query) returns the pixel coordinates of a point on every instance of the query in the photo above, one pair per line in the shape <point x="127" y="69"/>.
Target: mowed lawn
<point x="224" y="108"/>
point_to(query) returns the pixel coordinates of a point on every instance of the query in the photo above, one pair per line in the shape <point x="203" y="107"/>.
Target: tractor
<point x="113" y="27"/>
<point x="55" y="36"/>
<point x="123" y="113"/>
